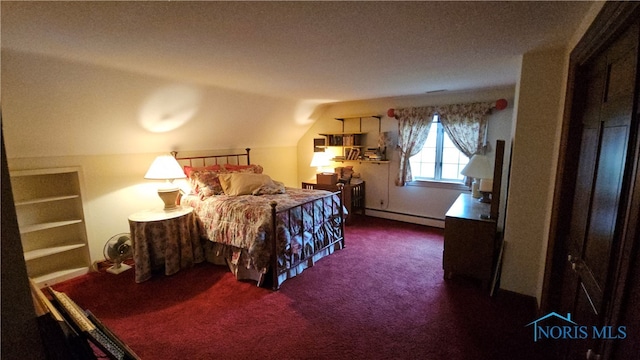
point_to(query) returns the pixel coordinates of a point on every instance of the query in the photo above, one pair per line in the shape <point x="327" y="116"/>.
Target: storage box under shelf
<point x="327" y="178"/>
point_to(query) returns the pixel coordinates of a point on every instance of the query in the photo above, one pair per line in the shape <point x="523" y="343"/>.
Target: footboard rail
<point x="276" y="271"/>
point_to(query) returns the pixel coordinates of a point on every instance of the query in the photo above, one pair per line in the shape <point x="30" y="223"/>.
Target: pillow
<point x="188" y="169"/>
<point x="206" y="183"/>
<point x="276" y="187"/>
<point x="243" y="183"/>
<point x="255" y="169"/>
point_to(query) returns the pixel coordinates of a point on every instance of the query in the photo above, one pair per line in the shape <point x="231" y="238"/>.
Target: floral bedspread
<point x="243" y="224"/>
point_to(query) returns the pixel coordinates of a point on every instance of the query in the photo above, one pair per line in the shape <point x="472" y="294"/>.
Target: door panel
<point x="606" y="198"/>
<point x="596" y="206"/>
<point x="584" y="184"/>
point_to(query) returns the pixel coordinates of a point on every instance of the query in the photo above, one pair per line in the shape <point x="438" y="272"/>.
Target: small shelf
<point x="59" y="276"/>
<point x="342" y="133"/>
<point x="48" y="225"/>
<point x="359" y="117"/>
<point x="40" y="253"/>
<point x="344" y="140"/>
<point x="46" y="199"/>
<point x="362" y="161"/>
<point x="353" y="144"/>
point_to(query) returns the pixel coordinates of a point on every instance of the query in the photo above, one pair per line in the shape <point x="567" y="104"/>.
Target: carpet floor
<point x="381" y="297"/>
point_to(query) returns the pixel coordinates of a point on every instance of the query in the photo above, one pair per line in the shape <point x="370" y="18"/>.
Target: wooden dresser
<point x="470" y="240"/>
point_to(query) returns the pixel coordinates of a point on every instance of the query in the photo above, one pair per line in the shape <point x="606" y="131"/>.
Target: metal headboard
<point x="214" y="159"/>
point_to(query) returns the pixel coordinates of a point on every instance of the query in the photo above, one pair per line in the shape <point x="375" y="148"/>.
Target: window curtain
<point x="466" y="125"/>
<point x="413" y="129"/>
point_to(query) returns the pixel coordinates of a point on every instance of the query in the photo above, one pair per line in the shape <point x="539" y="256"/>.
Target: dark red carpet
<point x="382" y="297"/>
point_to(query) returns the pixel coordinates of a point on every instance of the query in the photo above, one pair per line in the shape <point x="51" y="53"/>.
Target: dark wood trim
<point x="613" y="18"/>
<point x="622" y="307"/>
<point x="497" y="180"/>
<point x="622" y="289"/>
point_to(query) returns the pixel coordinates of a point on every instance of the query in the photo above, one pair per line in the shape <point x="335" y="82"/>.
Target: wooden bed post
<point x="274" y="245"/>
<point x="248" y="158"/>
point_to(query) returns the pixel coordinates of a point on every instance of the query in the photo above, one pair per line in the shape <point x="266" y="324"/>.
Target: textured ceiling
<point x="326" y="51"/>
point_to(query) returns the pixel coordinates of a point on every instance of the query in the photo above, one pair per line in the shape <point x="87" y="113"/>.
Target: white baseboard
<point x="414" y="219"/>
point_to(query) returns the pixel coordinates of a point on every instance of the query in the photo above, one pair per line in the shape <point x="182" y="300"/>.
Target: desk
<point x="164" y="238"/>
<point x="353" y="195"/>
<point x="470" y="241"/>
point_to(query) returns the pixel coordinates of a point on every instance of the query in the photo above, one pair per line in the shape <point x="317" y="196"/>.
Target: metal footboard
<point x="276" y="270"/>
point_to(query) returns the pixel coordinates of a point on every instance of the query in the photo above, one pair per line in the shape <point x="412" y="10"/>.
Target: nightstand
<point x="164" y="238"/>
<point x="354" y="195"/>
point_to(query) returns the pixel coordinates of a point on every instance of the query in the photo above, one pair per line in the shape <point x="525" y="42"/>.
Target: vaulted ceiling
<point x="335" y="51"/>
<point x="111" y="77"/>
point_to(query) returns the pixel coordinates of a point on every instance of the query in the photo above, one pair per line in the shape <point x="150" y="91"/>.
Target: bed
<point x="240" y="211"/>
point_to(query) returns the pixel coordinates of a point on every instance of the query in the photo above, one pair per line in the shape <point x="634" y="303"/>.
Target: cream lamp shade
<point x="320" y="160"/>
<point x="166" y="167"/>
<point x="478" y="168"/>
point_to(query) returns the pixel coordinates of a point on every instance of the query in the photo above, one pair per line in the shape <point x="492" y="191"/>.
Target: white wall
<point x="534" y="157"/>
<point x="59" y="113"/>
<point x="540" y="99"/>
<point x="422" y="205"/>
<point x="114" y="187"/>
<point x="55" y="107"/>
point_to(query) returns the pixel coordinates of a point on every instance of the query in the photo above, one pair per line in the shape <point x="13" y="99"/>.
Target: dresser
<point x="353" y="196"/>
<point x="470" y="240"/>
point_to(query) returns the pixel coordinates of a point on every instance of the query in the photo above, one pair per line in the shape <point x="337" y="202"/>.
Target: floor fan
<point x="118" y="249"/>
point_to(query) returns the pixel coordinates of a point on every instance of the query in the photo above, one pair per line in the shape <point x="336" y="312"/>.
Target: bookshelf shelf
<point x="50" y="215"/>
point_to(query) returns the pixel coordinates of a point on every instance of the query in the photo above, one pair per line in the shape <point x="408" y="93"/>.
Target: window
<point x="439" y="159"/>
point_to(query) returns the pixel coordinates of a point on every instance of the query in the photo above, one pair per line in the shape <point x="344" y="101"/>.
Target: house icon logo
<point x="555" y="326"/>
<point x="539" y="330"/>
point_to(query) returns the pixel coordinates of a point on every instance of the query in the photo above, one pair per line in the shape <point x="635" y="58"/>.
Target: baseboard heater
<point x="428" y="218"/>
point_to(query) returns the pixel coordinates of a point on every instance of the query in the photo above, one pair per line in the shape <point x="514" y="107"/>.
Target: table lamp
<point x="320" y="159"/>
<point x="486" y="188"/>
<point x="166" y="167"/>
<point x="478" y="168"/>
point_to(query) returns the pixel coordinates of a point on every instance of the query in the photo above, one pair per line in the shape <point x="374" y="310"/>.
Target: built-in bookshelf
<point x="352" y="144"/>
<point x="51" y="219"/>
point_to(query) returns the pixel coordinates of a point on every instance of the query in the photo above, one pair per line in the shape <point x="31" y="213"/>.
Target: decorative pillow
<point x="206" y="183"/>
<point x="255" y="169"/>
<point x="276" y="187"/>
<point x="243" y="183"/>
<point x="188" y="169"/>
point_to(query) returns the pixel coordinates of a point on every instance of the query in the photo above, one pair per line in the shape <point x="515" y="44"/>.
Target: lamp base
<point x="486" y="197"/>
<point x="475" y="192"/>
<point x="169" y="197"/>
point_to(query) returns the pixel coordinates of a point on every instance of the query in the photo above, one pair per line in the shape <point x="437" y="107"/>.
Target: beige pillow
<point x="243" y="183"/>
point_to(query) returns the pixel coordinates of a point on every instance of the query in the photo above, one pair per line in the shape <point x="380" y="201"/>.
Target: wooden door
<point x="597" y="210"/>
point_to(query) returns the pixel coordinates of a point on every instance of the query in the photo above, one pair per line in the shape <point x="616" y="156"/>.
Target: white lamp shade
<point x="478" y="167"/>
<point x="165" y="167"/>
<point x="320" y="159"/>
